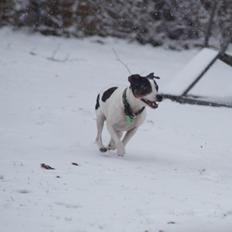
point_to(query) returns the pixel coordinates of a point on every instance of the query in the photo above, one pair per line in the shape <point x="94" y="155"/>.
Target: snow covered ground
<point x="175" y="177"/>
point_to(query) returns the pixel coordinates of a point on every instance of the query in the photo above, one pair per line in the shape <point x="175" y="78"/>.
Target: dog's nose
<point x="159" y="98"/>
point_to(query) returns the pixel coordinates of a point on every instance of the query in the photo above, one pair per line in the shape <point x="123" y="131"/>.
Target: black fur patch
<point x="108" y="93"/>
<point x="140" y="86"/>
<point x="97" y="102"/>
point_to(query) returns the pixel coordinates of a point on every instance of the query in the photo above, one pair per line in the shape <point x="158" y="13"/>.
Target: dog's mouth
<point x="152" y="104"/>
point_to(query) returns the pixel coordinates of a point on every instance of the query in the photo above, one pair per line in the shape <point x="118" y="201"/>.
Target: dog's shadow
<point x="147" y="158"/>
<point x="143" y="157"/>
<point x="132" y="156"/>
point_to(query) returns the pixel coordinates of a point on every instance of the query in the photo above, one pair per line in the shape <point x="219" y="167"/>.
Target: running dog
<point x="124" y="110"/>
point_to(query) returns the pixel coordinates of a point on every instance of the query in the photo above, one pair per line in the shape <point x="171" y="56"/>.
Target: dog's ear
<point x="152" y="76"/>
<point x="133" y="79"/>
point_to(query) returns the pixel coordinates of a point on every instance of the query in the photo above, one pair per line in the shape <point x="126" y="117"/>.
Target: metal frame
<point x="195" y="100"/>
<point x="199" y="100"/>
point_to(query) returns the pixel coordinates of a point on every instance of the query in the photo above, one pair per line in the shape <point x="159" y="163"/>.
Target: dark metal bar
<point x="195" y="100"/>
<point x="226" y="58"/>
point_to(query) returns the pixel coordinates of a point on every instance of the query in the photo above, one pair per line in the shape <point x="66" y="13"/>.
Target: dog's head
<point x="145" y="89"/>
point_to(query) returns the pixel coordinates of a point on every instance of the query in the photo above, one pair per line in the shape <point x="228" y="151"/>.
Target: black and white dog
<point x="123" y="109"/>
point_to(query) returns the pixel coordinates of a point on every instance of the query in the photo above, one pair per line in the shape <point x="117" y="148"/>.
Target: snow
<point x="176" y="175"/>
<point x="190" y="72"/>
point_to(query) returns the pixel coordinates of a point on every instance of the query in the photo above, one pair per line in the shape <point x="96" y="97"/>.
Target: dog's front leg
<point x="111" y="145"/>
<point x="129" y="134"/>
<point x="116" y="138"/>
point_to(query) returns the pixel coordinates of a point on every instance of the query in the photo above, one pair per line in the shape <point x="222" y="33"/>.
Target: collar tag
<point x="128" y="119"/>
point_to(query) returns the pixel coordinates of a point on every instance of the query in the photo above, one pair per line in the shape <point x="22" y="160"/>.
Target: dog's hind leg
<point x="100" y="123"/>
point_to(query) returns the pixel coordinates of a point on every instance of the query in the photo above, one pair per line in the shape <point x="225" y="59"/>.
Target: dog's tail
<point x="97" y="102"/>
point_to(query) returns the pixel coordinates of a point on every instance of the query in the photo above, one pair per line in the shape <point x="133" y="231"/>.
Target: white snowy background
<point x="175" y="177"/>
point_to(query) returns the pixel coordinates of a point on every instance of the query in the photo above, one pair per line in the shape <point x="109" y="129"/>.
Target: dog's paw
<point x="103" y="149"/>
<point x="111" y="147"/>
<point x="121" y="152"/>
